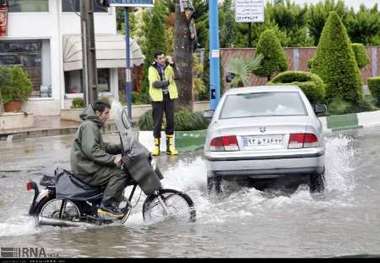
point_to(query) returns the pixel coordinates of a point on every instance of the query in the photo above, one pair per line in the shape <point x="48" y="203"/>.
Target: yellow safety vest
<point x="156" y="93"/>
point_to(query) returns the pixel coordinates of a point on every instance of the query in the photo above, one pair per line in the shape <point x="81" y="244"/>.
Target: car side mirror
<point x="320" y="109"/>
<point x="207" y="114"/>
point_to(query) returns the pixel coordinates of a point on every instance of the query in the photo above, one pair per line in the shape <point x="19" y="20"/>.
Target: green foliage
<point x="78" y="103"/>
<point x="290" y="19"/>
<point x="274" y="58"/>
<point x="155" y="37"/>
<point x="15" y="84"/>
<point x="184" y="120"/>
<point x="361" y="56"/>
<point x="311" y="84"/>
<point x="339" y="106"/>
<point x="335" y="64"/>
<point x="199" y="86"/>
<point x="374" y="87"/>
<point x="363" y="26"/>
<point x="242" y="68"/>
<point x="227" y="25"/>
<point x="317" y="16"/>
<point x="140" y="98"/>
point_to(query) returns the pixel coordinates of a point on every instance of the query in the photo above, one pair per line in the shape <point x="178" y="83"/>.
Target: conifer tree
<point x="274" y="58"/>
<point x="335" y="63"/>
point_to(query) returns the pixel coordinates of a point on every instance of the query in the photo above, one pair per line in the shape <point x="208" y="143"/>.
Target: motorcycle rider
<point x="98" y="163"/>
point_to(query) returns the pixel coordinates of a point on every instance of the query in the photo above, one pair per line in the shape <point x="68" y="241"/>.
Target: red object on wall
<point x="3" y="19"/>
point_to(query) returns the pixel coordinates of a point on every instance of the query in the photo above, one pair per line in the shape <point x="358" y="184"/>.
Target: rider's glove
<point x="117" y="160"/>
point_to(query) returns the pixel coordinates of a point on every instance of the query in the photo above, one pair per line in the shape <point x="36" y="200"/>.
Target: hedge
<point x="361" y="56"/>
<point x="374" y="87"/>
<point x="183" y="121"/>
<point x="311" y="84"/>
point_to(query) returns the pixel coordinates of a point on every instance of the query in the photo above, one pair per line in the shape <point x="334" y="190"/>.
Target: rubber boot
<point x="170" y="148"/>
<point x="156" y="147"/>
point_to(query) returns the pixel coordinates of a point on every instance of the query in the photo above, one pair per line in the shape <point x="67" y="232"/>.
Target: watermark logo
<point x="26" y="252"/>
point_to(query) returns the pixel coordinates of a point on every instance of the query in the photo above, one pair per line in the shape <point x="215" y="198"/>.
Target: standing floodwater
<point x="345" y="220"/>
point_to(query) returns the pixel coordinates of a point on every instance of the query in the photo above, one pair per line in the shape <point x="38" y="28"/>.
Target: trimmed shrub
<point x="334" y="62"/>
<point x="361" y="56"/>
<point x="311" y="84"/>
<point x="184" y="120"/>
<point x="15" y="84"/>
<point x="374" y="88"/>
<point x="274" y="58"/>
<point x="78" y="103"/>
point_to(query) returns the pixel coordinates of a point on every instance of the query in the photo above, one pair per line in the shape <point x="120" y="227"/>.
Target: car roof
<point x="264" y="88"/>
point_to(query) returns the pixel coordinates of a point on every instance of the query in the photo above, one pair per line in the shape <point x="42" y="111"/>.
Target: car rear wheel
<point x="317" y="182"/>
<point x="214" y="184"/>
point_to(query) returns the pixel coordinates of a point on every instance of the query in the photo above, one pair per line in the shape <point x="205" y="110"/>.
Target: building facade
<point x="44" y="36"/>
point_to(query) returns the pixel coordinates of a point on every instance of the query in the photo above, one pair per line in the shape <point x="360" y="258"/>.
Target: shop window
<point x="34" y="56"/>
<point x="73" y="81"/>
<point x="74" y="6"/>
<point x="28" y="5"/>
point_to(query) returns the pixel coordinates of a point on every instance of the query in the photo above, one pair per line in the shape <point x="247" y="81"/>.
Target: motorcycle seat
<point x="70" y="187"/>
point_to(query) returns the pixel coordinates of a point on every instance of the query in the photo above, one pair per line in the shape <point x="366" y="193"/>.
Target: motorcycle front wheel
<point x="168" y="204"/>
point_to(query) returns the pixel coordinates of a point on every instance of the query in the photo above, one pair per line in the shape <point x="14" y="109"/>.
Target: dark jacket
<point x="89" y="153"/>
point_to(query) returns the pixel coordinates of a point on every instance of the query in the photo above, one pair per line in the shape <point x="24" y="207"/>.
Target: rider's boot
<point x="170" y="148"/>
<point x="156" y="147"/>
<point x="110" y="211"/>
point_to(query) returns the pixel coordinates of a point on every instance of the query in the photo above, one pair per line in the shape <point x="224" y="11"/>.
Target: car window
<point x="263" y="104"/>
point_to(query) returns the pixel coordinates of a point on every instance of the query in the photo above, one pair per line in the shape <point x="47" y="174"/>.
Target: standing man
<point x="97" y="163"/>
<point x="163" y="92"/>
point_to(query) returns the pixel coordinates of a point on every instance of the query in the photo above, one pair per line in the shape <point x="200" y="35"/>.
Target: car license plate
<point x="262" y="141"/>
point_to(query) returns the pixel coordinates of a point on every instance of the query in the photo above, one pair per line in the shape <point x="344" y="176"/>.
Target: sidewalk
<point x="43" y="126"/>
<point x="185" y="140"/>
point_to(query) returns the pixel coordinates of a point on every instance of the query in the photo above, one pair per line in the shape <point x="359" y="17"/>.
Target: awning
<point x="110" y="52"/>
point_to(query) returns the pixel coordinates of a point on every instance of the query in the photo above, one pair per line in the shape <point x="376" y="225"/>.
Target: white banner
<point x="249" y="11"/>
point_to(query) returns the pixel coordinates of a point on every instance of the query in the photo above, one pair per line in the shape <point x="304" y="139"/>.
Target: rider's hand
<point x="117" y="160"/>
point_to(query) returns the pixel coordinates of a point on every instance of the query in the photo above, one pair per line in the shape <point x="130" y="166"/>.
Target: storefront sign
<point x="249" y="10"/>
<point x="132" y="3"/>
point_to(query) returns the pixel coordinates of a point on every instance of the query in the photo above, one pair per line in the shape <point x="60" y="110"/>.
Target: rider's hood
<point x="89" y="114"/>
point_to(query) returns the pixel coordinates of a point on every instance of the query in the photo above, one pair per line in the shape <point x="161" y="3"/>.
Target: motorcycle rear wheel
<point x="179" y="207"/>
<point x="59" y="209"/>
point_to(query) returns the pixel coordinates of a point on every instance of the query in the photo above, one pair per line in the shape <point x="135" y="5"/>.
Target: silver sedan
<point x="265" y="132"/>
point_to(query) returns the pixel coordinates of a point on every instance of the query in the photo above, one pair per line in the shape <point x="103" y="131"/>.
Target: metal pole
<point x="90" y="78"/>
<point x="214" y="54"/>
<point x="83" y="19"/>
<point x="128" y="77"/>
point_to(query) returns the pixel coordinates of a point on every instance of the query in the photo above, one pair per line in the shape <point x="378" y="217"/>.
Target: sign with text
<point x="249" y="11"/>
<point x="132" y="3"/>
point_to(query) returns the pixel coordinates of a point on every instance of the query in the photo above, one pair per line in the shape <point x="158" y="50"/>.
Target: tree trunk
<point x="183" y="58"/>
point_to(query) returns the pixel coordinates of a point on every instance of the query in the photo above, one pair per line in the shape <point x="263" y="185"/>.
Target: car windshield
<point x="263" y="104"/>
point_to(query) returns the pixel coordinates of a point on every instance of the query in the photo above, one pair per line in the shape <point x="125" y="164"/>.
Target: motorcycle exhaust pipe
<point x="60" y="222"/>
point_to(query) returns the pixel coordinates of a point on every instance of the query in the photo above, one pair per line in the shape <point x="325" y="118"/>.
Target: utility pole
<point x="214" y="54"/>
<point x="89" y="72"/>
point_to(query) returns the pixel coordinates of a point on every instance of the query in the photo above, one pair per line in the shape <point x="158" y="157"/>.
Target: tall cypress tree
<point x="274" y="58"/>
<point x="155" y="39"/>
<point x="335" y="62"/>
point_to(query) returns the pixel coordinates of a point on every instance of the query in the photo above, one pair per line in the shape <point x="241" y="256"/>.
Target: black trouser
<point x="158" y="109"/>
<point x="113" y="180"/>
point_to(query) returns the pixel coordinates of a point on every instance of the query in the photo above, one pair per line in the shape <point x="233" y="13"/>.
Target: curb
<point x="193" y="140"/>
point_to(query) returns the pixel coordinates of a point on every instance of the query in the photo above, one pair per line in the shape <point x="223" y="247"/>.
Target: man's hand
<point x="117" y="160"/>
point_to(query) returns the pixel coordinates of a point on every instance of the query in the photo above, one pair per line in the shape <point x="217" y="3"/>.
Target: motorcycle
<point x="67" y="201"/>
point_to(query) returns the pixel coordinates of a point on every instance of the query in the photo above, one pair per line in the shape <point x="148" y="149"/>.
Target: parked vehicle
<point x="265" y="132"/>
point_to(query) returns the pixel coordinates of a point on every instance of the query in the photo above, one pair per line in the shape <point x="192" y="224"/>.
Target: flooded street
<point x="344" y="220"/>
